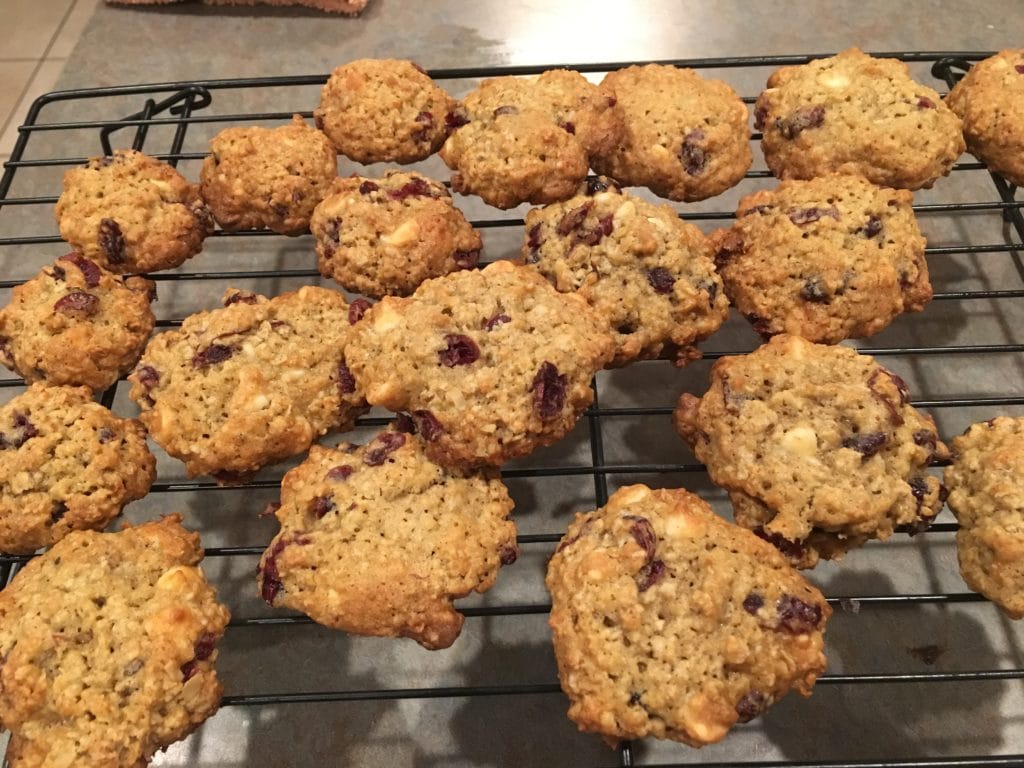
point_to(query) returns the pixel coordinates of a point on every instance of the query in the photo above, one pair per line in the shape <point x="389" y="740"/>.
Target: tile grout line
<point x="35" y="70"/>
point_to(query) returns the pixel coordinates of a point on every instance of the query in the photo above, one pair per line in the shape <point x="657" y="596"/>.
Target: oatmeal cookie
<point x="247" y="385"/>
<point x="383" y="237"/>
<point x="379" y="540"/>
<point x="670" y="622"/>
<point x="383" y="110"/>
<point x="109" y="642"/>
<point x="686" y="138"/>
<point x="76" y="323"/>
<point x="817" y="446"/>
<point x="646" y="272"/>
<point x="530" y="140"/>
<point x="828" y="259"/>
<point x="132" y="213"/>
<point x="986" y="491"/>
<point x="260" y="177"/>
<point x="853" y="113"/>
<point x="990" y="101"/>
<point x="492" y="363"/>
<point x="66" y="463"/>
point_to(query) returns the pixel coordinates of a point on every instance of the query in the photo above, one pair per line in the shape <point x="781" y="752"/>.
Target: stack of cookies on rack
<point x="817" y="446"/>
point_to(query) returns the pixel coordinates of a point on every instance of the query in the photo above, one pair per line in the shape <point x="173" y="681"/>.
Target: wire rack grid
<point x="167" y="126"/>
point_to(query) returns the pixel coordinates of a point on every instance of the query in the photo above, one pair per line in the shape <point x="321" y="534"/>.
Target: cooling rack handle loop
<point x="950" y="69"/>
<point x="180" y="104"/>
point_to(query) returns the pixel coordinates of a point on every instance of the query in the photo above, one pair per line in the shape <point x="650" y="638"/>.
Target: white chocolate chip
<point x="801" y="440"/>
<point x="405" y="234"/>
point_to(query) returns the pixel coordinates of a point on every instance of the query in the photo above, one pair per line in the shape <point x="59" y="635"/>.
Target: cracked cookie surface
<point x="817" y="446"/>
<point x="491" y="363"/>
<point x="267" y="177"/>
<point x="385" y="236"/>
<point x="66" y="463"/>
<point x="379" y="540"/>
<point x="132" y="213"/>
<point x="76" y="323"/>
<point x="853" y="113"/>
<point x="827" y="259"/>
<point x="646" y="272"/>
<point x="670" y="622"/>
<point x="685" y="137"/>
<point x="383" y="110"/>
<point x="237" y="388"/>
<point x="108" y="644"/>
<point x="985" y="484"/>
<point x="990" y="101"/>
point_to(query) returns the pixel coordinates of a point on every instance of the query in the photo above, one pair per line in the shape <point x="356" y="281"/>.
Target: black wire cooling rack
<point x="171" y="110"/>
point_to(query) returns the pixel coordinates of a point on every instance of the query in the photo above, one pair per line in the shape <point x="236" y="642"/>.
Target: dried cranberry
<point x="403" y="423"/>
<point x="461" y="350"/>
<point x="867" y="443"/>
<point x="454" y="120"/>
<point x="427" y="425"/>
<point x="573" y="219"/>
<point x="271" y="582"/>
<point x="568" y="127"/>
<point x="650" y="575"/>
<point x="205" y="645"/>
<point x="634" y="698"/>
<point x="661" y="280"/>
<point x="340" y="472"/>
<point x="752" y="603"/>
<point x="761" y="325"/>
<point x="106" y="435"/>
<point x="147" y="376"/>
<point x="643" y="532"/>
<point x="901" y="387"/>
<point x="270" y="509"/>
<point x="872" y="228"/>
<point x="800" y="120"/>
<point x="57" y="513"/>
<point x="693" y="156"/>
<point x="346" y="381"/>
<point x="386" y="444"/>
<point x="509" y="554"/>
<point x="919" y="489"/>
<point x="240" y="297"/>
<point x="794" y="550"/>
<point x="549" y="391"/>
<point x="750" y="706"/>
<point x="367" y="187"/>
<point x="593" y="235"/>
<point x="796" y="616"/>
<point x="804" y="216"/>
<point x="58" y="273"/>
<point x="925" y="438"/>
<point x="332" y="231"/>
<point x="1019" y="68"/>
<point x="731" y="246"/>
<point x="599" y="184"/>
<point x="426" y="119"/>
<point x="111" y="240"/>
<point x="213" y="354"/>
<point x="357" y="309"/>
<point x="760" y="115"/>
<point x="467" y="259"/>
<point x="321" y="505"/>
<point x="894" y="412"/>
<point x="579" y="534"/>
<point x="417" y="187"/>
<point x="89" y="269"/>
<point x="534" y="242"/>
<point x="925" y="103"/>
<point x="499" y="319"/>
<point x="77" y="304"/>
<point x="815" y="292"/>
<point x="189" y="670"/>
<point x="506" y="109"/>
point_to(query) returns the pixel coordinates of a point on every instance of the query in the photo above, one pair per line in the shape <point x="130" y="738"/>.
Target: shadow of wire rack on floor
<point x="172" y="110"/>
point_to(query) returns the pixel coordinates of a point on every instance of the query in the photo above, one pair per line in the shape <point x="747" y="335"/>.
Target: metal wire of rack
<point x="180" y="106"/>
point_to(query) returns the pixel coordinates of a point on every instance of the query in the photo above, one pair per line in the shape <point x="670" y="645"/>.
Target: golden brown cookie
<point x="108" y="644"/>
<point x="383" y="237"/>
<point x="383" y="110"/>
<point x="853" y="113"/>
<point x="670" y="622"/>
<point x="686" y="138"/>
<point x="379" y="540"/>
<point x="491" y="363"/>
<point x="990" y="101"/>
<point x="244" y="386"/>
<point x="66" y="463"/>
<point x="259" y="177"/>
<point x="76" y="323"/>
<point x="646" y="272"/>
<point x="986" y="491"/>
<point x="132" y="213"/>
<point x="828" y="259"/>
<point x="817" y="446"/>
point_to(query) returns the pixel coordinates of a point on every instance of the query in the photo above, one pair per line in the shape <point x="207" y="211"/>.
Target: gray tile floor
<point x="841" y="721"/>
